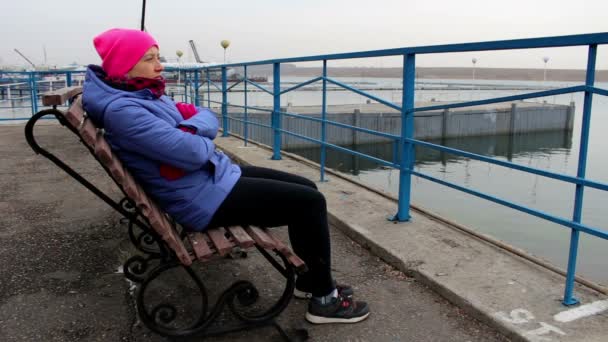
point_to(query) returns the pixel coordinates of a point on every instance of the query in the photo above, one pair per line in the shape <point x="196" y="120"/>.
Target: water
<point x="554" y="151"/>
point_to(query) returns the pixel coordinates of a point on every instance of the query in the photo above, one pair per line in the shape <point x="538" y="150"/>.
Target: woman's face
<point x="148" y="66"/>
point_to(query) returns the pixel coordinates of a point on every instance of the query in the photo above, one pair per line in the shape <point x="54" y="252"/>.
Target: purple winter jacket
<point x="142" y="131"/>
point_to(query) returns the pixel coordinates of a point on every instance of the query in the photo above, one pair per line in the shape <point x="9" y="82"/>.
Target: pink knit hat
<point x="121" y="49"/>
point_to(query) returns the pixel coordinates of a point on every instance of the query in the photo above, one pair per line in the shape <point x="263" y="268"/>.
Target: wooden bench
<point x="162" y="244"/>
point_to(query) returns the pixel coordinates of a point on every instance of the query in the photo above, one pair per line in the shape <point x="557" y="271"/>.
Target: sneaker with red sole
<point x="340" y="310"/>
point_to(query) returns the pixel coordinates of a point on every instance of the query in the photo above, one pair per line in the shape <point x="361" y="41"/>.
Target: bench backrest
<point x="94" y="139"/>
<point x="204" y="245"/>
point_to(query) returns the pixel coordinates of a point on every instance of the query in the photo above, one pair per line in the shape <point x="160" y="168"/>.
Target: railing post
<point x="407" y="132"/>
<point x="33" y="93"/>
<point x="324" y="123"/>
<point x="582" y="166"/>
<point x="395" y="144"/>
<point x="276" y="117"/>
<point x="185" y="96"/>
<point x="197" y="100"/>
<point x="224" y="102"/>
<point x="245" y="119"/>
<point x="208" y="90"/>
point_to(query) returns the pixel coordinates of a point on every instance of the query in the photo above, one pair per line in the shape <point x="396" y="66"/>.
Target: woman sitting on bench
<point x="169" y="149"/>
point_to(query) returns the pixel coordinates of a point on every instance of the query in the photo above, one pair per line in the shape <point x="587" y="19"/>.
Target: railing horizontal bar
<point x="528" y="43"/>
<point x="565" y="178"/>
<point x="301" y="85"/>
<point x="503" y="99"/>
<point x="362" y="93"/>
<point x="9" y="119"/>
<point x="574" y="225"/>
<point x="12" y="84"/>
<point x="259" y="87"/>
<point x="18" y="98"/>
<point x="47" y="72"/>
<point x="599" y="91"/>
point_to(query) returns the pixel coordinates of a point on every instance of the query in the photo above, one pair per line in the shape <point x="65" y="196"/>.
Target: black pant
<point x="270" y="198"/>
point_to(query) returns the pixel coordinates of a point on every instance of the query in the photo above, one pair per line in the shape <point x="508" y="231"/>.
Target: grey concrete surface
<point x="61" y="247"/>
<point x="517" y="297"/>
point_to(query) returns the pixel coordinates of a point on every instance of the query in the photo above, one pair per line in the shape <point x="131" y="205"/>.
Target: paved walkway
<point x="61" y="247"/>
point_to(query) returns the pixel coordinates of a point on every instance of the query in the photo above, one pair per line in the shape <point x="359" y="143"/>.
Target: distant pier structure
<point x="497" y="119"/>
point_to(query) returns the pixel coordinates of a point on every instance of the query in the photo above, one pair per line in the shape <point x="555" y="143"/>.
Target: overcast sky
<point x="265" y="29"/>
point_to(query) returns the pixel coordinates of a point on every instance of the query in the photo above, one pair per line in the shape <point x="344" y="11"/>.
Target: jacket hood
<point x="97" y="95"/>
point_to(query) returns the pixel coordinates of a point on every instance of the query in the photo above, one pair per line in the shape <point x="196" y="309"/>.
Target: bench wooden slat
<point x="60" y="96"/>
<point x="279" y="245"/>
<point x="103" y="150"/>
<point x="260" y="237"/>
<point x="219" y="240"/>
<point x="145" y="206"/>
<point x="130" y="187"/>
<point x="109" y="160"/>
<point x="160" y="224"/>
<point x="116" y="170"/>
<point x="241" y="237"/>
<point x="292" y="258"/>
<point x="201" y="248"/>
<point x="75" y="114"/>
<point x="88" y="133"/>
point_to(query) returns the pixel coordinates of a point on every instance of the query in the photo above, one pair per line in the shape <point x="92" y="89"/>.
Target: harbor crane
<point x="27" y="59"/>
<point x="196" y="56"/>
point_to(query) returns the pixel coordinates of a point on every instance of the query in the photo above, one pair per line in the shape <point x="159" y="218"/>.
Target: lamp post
<point x="179" y="54"/>
<point x="225" y="44"/>
<point x="545" y="59"/>
<point x="474" y="61"/>
<point x="143" y="15"/>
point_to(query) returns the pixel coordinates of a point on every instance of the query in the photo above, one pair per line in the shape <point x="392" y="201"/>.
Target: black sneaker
<point x="344" y="290"/>
<point x="340" y="310"/>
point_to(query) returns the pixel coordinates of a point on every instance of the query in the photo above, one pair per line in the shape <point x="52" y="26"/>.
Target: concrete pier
<point x="61" y="248"/>
<point x="519" y="298"/>
<point x="499" y="119"/>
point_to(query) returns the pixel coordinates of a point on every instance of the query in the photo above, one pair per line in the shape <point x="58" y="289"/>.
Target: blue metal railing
<point x="31" y="83"/>
<point x="404" y="144"/>
<point x="406" y="140"/>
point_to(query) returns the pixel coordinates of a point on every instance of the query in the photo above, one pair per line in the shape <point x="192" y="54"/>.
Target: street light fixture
<point x="225" y="44"/>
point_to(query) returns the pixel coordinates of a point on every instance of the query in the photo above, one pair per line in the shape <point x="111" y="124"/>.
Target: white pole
<point x="474" y="60"/>
<point x="545" y="59"/>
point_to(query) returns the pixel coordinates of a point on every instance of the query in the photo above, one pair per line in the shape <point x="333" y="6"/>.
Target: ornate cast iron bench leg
<point x="162" y="318"/>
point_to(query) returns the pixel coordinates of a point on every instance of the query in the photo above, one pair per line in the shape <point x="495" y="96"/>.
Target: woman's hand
<point x="187" y="110"/>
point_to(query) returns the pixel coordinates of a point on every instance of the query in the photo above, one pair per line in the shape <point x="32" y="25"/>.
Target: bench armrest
<point x="60" y="96"/>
